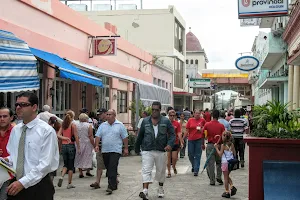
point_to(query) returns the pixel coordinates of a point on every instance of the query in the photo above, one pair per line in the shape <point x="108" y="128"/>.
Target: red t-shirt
<point x="207" y="116"/>
<point x="191" y="125"/>
<point x="4" y="141"/>
<point x="177" y="131"/>
<point x="213" y="128"/>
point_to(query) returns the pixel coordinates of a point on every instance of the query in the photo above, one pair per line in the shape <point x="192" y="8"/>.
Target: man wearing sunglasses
<point x="156" y="136"/>
<point x="33" y="150"/>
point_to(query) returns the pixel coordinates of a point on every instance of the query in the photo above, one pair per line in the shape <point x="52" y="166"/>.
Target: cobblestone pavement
<point x="181" y="186"/>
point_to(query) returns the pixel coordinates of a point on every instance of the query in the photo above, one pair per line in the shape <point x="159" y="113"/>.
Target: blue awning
<point x="18" y="69"/>
<point x="67" y="70"/>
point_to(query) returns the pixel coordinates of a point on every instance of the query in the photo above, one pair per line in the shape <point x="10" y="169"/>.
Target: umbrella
<point x="211" y="153"/>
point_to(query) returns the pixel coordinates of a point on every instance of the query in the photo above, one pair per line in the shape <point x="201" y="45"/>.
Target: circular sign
<point x="105" y="47"/>
<point x="247" y="63"/>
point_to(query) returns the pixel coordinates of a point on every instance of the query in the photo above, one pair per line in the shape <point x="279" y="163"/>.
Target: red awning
<point x="185" y="93"/>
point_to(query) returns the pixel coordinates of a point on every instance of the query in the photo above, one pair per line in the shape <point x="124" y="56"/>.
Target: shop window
<point x="61" y="101"/>
<point x="187" y="61"/>
<point x="122" y="102"/>
<point x="178" y="73"/>
<point x="83" y="96"/>
<point x="159" y="82"/>
<point x="196" y="62"/>
<point x="192" y="62"/>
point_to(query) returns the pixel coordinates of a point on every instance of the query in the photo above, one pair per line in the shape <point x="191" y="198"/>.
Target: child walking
<point x="227" y="152"/>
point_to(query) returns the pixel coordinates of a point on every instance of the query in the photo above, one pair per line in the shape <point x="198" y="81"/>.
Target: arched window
<point x="196" y="62"/>
<point x="192" y="61"/>
<point x="187" y="61"/>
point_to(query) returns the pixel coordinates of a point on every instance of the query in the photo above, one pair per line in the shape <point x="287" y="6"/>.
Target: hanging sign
<point x="247" y="63"/>
<point x="105" y="46"/>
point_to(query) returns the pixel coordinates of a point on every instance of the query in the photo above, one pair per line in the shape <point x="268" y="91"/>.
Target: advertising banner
<point x="250" y="22"/>
<point x="105" y="46"/>
<point x="262" y="8"/>
<point x="199" y="83"/>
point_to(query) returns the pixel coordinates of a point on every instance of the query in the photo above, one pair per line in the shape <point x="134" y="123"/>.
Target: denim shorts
<point x="68" y="152"/>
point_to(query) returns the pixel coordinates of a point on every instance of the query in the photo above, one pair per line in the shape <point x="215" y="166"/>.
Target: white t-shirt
<point x="140" y="123"/>
<point x="155" y="130"/>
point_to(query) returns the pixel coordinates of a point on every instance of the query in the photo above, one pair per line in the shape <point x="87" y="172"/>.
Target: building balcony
<point x="267" y="81"/>
<point x="272" y="51"/>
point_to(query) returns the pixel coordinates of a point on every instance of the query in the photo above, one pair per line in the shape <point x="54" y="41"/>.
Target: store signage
<point x="247" y="63"/>
<point x="250" y="22"/>
<point x="199" y="82"/>
<point x="105" y="46"/>
<point x="262" y="8"/>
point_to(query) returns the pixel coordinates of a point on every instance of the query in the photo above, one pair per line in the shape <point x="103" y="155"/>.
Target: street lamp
<point x="155" y="58"/>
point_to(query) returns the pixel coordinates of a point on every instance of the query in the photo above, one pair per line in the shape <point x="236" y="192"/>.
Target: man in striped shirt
<point x="239" y="127"/>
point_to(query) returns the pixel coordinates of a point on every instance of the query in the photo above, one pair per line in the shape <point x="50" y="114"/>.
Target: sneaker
<point x="144" y="195"/>
<point x="109" y="190"/>
<point x="226" y="195"/>
<point x="70" y="186"/>
<point x="95" y="185"/>
<point x="242" y="164"/>
<point x="219" y="181"/>
<point x="160" y="192"/>
<point x="196" y="174"/>
<point x="60" y="181"/>
<point x="233" y="191"/>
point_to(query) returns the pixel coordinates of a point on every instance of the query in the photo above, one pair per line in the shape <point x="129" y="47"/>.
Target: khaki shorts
<point x="100" y="161"/>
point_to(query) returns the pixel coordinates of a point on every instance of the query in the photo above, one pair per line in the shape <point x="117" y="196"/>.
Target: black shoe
<point x="143" y="196"/>
<point x="192" y="169"/>
<point x="89" y="174"/>
<point x="81" y="176"/>
<point x="226" y="195"/>
<point x="233" y="190"/>
<point x="109" y="190"/>
<point x="242" y="165"/>
<point x="196" y="174"/>
<point x="212" y="184"/>
<point x="220" y="181"/>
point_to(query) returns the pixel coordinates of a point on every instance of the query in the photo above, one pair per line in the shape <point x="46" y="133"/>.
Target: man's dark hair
<point x="156" y="103"/>
<point x="243" y="112"/>
<point x="237" y="113"/>
<point x="11" y="113"/>
<point x="216" y="114"/>
<point x="169" y="108"/>
<point x="187" y="108"/>
<point x="32" y="98"/>
<point x="206" y="109"/>
<point x="222" y="114"/>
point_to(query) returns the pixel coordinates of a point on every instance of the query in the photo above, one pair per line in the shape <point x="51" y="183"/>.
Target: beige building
<point x="160" y="32"/>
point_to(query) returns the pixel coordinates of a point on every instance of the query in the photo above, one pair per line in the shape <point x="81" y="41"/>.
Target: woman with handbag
<point x="69" y="132"/>
<point x="229" y="162"/>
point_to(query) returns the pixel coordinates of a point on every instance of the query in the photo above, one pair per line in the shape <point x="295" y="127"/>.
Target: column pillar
<point x="296" y="87"/>
<point x="290" y="86"/>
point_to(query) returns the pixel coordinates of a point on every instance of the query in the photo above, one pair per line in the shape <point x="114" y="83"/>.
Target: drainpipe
<point x="137" y="104"/>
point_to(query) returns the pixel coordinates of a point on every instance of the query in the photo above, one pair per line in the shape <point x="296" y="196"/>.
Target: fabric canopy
<point x="67" y="70"/>
<point x="18" y="66"/>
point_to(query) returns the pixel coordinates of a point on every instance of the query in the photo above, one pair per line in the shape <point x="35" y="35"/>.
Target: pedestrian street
<point x="181" y="186"/>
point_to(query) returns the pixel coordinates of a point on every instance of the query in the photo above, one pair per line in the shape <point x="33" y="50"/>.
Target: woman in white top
<point x="227" y="152"/>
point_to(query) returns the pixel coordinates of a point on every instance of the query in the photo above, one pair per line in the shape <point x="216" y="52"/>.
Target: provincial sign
<point x="199" y="83"/>
<point x="262" y="8"/>
<point x="105" y="46"/>
<point x="247" y="63"/>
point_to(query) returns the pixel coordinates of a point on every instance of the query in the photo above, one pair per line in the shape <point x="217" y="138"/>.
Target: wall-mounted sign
<point x="250" y="22"/>
<point x="105" y="46"/>
<point x="262" y="8"/>
<point x="247" y="63"/>
<point x="199" y="82"/>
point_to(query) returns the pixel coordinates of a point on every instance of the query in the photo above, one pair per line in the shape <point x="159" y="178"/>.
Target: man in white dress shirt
<point x="33" y="152"/>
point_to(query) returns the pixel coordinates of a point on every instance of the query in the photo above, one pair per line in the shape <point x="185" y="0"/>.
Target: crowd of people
<point x="32" y="144"/>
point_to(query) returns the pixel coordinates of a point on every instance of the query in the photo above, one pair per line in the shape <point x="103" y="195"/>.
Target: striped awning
<point x="18" y="66"/>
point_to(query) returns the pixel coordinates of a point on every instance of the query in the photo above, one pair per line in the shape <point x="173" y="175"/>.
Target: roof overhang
<point x="273" y="82"/>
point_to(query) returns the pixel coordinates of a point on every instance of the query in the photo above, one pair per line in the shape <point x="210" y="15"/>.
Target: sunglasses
<point x="22" y="105"/>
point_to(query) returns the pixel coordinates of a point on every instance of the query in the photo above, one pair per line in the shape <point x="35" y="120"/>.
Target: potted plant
<point x="276" y="137"/>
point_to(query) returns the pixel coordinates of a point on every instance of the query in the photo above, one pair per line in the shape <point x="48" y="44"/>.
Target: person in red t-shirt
<point x="207" y="115"/>
<point x="6" y="117"/>
<point x="195" y="140"/>
<point x="173" y="156"/>
<point x="212" y="129"/>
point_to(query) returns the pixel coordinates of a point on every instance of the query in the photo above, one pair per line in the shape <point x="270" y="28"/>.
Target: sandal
<point x="175" y="171"/>
<point x="169" y="176"/>
<point x="89" y="174"/>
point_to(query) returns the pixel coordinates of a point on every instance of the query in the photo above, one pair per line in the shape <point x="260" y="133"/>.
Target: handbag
<point x="72" y="137"/>
<point x="232" y="163"/>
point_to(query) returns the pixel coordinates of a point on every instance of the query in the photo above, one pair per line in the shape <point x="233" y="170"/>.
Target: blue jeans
<point x="195" y="152"/>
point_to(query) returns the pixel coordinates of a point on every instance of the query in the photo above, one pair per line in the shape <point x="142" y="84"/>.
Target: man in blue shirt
<point x="112" y="133"/>
<point x="223" y="121"/>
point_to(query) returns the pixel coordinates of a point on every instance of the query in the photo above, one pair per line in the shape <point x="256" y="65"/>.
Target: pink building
<point x="51" y="27"/>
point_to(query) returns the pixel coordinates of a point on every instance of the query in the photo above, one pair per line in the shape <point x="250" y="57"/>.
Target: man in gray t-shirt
<point x="187" y="114"/>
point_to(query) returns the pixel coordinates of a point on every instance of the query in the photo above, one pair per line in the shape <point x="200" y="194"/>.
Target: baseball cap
<point x="102" y="110"/>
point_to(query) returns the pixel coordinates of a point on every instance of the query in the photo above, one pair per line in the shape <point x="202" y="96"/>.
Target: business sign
<point x="262" y="8"/>
<point x="199" y="83"/>
<point x="250" y="22"/>
<point x="247" y="63"/>
<point x="105" y="46"/>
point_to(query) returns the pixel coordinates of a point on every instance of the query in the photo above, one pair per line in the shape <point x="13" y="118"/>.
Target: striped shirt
<point x="238" y="127"/>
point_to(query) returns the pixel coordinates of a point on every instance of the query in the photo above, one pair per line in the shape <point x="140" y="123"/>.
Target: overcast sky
<point x="216" y="24"/>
